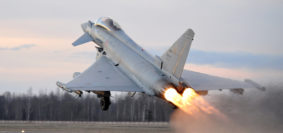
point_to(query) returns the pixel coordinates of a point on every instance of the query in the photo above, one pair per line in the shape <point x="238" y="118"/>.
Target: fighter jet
<point x="122" y="65"/>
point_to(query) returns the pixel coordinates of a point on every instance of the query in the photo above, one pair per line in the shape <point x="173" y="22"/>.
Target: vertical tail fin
<point x="175" y="57"/>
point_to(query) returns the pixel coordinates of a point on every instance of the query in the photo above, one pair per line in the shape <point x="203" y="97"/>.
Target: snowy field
<point x="83" y="127"/>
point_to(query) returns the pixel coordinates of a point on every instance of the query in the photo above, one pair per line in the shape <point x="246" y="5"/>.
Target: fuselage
<point x="124" y="53"/>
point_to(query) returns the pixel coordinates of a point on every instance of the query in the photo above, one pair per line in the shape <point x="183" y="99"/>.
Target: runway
<point x="83" y="127"/>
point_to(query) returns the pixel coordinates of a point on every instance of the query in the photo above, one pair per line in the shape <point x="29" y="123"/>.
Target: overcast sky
<point x="235" y="38"/>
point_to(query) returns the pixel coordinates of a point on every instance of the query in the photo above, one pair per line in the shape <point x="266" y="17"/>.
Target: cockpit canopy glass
<point x="108" y="23"/>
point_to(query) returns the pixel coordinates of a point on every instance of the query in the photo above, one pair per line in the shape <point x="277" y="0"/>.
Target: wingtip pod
<point x="62" y="86"/>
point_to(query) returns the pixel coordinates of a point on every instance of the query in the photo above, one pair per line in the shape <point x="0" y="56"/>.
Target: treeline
<point x="67" y="107"/>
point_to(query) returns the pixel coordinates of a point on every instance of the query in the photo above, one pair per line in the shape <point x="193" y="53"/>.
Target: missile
<point x="239" y="91"/>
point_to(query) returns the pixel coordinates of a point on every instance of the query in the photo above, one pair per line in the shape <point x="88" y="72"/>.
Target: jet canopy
<point x="108" y="24"/>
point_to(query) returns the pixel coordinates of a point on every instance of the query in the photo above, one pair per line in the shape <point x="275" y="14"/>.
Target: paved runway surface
<point x="83" y="127"/>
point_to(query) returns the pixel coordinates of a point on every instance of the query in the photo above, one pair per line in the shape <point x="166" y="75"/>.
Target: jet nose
<point x="87" y="26"/>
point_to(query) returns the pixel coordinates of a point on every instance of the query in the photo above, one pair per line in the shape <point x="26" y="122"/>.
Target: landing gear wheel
<point x="105" y="103"/>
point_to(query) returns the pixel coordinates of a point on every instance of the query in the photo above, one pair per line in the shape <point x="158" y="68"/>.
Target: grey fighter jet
<point x="122" y="65"/>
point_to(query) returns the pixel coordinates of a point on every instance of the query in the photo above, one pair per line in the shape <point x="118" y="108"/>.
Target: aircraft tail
<point x="175" y="57"/>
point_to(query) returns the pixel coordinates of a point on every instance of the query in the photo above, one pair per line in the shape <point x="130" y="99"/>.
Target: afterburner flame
<point x="190" y="102"/>
<point x="173" y="96"/>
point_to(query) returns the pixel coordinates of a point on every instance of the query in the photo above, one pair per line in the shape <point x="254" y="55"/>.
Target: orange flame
<point x="190" y="102"/>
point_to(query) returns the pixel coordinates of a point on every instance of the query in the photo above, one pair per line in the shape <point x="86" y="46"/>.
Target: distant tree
<point x="68" y="107"/>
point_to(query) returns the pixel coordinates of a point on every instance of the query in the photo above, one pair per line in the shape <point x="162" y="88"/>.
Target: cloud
<point x="20" y="47"/>
<point x="236" y="60"/>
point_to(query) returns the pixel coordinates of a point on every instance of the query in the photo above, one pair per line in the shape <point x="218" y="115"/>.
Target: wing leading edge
<point x="103" y="76"/>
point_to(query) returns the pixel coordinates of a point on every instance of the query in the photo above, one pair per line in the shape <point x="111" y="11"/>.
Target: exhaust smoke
<point x="253" y="112"/>
<point x="190" y="102"/>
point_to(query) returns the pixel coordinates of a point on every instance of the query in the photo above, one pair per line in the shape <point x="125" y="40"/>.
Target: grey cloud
<point x="236" y="59"/>
<point x="231" y="59"/>
<point x="17" y="48"/>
